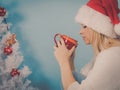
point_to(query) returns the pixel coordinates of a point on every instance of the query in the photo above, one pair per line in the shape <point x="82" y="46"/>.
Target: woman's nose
<point x="81" y="31"/>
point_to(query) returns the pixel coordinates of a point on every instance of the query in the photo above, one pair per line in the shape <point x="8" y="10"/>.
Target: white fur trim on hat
<point x="117" y="29"/>
<point x="95" y="20"/>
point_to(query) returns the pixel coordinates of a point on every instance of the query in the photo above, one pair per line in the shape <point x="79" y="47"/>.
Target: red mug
<point x="69" y="42"/>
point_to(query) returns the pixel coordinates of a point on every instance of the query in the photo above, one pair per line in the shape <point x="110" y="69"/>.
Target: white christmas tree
<point x="11" y="77"/>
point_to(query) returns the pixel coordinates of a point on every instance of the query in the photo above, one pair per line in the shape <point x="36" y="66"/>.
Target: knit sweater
<point x="103" y="73"/>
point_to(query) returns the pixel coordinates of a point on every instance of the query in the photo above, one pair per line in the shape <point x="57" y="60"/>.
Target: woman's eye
<point x="84" y="26"/>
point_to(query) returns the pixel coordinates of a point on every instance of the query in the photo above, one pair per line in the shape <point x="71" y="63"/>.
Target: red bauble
<point x="2" y="11"/>
<point x="14" y="72"/>
<point x="7" y="50"/>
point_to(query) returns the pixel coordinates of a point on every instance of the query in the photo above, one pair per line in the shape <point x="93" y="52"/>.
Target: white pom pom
<point x="117" y="29"/>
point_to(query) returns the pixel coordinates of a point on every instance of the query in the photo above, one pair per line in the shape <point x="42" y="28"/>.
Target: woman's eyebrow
<point x="83" y="25"/>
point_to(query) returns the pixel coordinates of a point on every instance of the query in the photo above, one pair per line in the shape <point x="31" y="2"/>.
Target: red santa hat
<point x="101" y="16"/>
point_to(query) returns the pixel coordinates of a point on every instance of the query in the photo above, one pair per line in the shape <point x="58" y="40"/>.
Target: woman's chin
<point x="87" y="43"/>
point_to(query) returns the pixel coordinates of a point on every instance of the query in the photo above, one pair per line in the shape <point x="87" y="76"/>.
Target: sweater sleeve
<point x="78" y="76"/>
<point x="104" y="75"/>
<point x="85" y="70"/>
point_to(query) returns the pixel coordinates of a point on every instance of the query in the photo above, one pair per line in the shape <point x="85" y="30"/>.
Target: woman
<point x="101" y="29"/>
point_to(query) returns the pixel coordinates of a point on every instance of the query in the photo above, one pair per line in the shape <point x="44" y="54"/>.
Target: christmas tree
<point x="12" y="77"/>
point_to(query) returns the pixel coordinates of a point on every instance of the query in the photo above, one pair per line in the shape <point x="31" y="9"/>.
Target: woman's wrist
<point x="72" y="68"/>
<point x="72" y="65"/>
<point x="67" y="63"/>
<point x="64" y="63"/>
<point x="67" y="75"/>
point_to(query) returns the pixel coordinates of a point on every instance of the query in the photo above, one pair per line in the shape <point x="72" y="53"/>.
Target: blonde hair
<point x="101" y="42"/>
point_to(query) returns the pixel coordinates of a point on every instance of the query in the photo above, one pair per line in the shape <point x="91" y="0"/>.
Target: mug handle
<point x="55" y="38"/>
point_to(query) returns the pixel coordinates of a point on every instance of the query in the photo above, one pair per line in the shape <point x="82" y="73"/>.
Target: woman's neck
<point x="115" y="43"/>
<point x="112" y="43"/>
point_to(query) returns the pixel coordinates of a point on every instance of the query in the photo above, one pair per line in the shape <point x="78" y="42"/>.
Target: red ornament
<point x="2" y="11"/>
<point x="14" y="72"/>
<point x="7" y="50"/>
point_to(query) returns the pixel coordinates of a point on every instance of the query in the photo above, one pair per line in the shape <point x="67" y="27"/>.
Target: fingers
<point x="58" y="43"/>
<point x="62" y="41"/>
<point x="72" y="49"/>
<point x="55" y="47"/>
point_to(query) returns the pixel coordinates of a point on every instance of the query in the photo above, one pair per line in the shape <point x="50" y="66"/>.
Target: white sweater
<point x="103" y="73"/>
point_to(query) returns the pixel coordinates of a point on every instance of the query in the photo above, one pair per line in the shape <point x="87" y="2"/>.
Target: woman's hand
<point x="62" y="54"/>
<point x="71" y="61"/>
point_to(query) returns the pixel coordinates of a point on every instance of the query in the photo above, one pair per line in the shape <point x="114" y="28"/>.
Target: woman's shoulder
<point x="110" y="53"/>
<point x="111" y="50"/>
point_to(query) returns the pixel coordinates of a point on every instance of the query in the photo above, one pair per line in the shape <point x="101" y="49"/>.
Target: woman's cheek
<point x="87" y="41"/>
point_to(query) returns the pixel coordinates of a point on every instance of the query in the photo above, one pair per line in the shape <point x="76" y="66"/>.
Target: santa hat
<point x="101" y="16"/>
